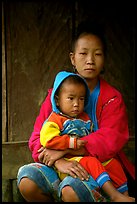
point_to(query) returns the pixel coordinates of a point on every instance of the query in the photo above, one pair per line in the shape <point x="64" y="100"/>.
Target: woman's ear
<point x="57" y="100"/>
<point x="71" y="55"/>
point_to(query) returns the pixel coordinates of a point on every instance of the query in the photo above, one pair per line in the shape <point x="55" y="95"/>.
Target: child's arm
<point x="50" y="137"/>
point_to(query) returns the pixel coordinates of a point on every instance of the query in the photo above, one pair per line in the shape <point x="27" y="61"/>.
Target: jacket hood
<point x="58" y="80"/>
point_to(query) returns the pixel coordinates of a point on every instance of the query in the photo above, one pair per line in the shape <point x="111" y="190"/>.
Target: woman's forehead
<point x="88" y="40"/>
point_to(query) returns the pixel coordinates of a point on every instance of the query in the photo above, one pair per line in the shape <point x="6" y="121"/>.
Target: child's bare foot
<point x="123" y="198"/>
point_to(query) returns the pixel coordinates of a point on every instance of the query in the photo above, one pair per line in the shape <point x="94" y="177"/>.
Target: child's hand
<point x="81" y="143"/>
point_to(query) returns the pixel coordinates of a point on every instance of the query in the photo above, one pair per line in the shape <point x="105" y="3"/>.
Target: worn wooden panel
<point x="4" y="118"/>
<point x="17" y="197"/>
<point x="129" y="150"/>
<point x="38" y="39"/>
<point x="10" y="191"/>
<point x="14" y="155"/>
<point x="6" y="190"/>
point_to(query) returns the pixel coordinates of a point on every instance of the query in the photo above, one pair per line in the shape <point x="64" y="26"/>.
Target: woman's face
<point x="88" y="56"/>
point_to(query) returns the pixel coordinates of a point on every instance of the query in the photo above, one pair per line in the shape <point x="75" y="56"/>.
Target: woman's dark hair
<point x="89" y="27"/>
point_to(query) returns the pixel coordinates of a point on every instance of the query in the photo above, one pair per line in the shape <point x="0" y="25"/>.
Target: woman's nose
<point x="90" y="59"/>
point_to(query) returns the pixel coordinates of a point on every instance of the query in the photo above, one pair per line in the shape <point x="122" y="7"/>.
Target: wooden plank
<point x="129" y="150"/>
<point x="6" y="190"/>
<point x="4" y="117"/>
<point x="17" y="197"/>
<point x="14" y="155"/>
<point x="35" y="52"/>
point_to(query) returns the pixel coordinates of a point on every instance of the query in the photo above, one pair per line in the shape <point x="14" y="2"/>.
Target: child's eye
<point x="70" y="98"/>
<point x="82" y="98"/>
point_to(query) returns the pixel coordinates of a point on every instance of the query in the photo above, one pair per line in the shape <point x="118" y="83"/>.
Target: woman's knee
<point x="69" y="195"/>
<point x="27" y="187"/>
<point x="31" y="192"/>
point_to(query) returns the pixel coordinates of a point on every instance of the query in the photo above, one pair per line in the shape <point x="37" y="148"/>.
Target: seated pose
<point x="68" y="123"/>
<point x="39" y="181"/>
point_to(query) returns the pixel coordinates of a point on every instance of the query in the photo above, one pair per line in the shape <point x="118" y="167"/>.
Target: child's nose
<point x="76" y="103"/>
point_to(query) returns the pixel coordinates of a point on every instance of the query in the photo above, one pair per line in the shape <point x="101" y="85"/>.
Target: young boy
<point x="66" y="126"/>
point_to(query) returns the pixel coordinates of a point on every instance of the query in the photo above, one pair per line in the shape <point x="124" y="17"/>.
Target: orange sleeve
<point x="60" y="143"/>
<point x="50" y="134"/>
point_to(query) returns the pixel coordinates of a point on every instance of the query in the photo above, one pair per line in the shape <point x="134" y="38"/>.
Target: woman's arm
<point x="53" y="157"/>
<point x="49" y="156"/>
<point x="113" y="132"/>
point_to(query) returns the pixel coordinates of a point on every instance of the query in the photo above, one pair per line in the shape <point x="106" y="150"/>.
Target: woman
<point x="38" y="182"/>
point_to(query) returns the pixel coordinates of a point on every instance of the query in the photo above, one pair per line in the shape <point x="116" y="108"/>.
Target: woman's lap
<point x="47" y="179"/>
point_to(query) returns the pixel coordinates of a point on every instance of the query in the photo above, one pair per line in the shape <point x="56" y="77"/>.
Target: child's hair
<point x="89" y="27"/>
<point x="71" y="79"/>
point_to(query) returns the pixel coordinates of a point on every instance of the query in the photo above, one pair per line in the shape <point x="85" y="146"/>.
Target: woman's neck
<point x="92" y="83"/>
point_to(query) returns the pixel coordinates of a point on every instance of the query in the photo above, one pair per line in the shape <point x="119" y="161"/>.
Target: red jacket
<point x="109" y="139"/>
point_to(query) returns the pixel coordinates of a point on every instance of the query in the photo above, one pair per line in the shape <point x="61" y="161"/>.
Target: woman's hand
<point x="73" y="168"/>
<point x="49" y="156"/>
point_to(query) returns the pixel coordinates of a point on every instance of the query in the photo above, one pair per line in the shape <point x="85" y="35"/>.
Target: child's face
<point x="88" y="57"/>
<point x="71" y="99"/>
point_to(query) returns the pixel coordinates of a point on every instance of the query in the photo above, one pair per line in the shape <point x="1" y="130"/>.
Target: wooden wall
<point x="36" y="37"/>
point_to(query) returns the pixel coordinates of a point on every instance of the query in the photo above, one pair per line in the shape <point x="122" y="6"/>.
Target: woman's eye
<point x="82" y="53"/>
<point x="98" y="54"/>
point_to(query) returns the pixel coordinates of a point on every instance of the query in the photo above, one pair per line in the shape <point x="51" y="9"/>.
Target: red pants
<point x="114" y="169"/>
